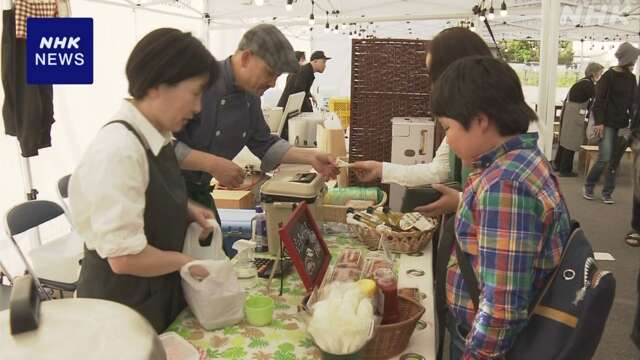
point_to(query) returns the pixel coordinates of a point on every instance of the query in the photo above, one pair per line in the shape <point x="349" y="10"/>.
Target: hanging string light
<point x="312" y="19"/>
<point x="492" y="14"/>
<point x="326" y="26"/>
<point x="472" y="27"/>
<point x="289" y="5"/>
<point x="503" y="9"/>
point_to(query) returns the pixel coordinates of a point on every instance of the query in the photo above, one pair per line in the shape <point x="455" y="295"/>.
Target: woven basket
<point x="392" y="339"/>
<point x="338" y="213"/>
<point x="400" y="242"/>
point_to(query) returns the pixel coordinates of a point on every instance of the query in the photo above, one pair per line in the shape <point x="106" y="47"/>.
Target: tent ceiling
<point x="600" y="20"/>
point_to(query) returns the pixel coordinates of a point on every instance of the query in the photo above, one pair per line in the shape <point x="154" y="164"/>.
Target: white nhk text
<point x="59" y="58"/>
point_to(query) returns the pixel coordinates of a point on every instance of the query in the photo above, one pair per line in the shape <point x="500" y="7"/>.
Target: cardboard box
<point x="233" y="199"/>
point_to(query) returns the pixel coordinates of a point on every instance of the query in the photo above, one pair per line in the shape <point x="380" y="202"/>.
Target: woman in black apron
<point x="572" y="119"/>
<point x="127" y="195"/>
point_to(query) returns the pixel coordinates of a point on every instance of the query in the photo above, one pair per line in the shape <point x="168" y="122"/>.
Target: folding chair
<point x="5" y="290"/>
<point x="56" y="262"/>
<point x="63" y="194"/>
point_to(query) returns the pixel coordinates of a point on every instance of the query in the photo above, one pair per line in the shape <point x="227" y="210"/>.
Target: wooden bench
<point x="591" y="153"/>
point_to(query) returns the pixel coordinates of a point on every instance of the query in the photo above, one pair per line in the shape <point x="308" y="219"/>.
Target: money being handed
<point x="342" y="164"/>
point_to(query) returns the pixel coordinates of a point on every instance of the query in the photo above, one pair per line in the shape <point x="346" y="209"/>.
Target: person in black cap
<point x="302" y="80"/>
<point x="232" y="117"/>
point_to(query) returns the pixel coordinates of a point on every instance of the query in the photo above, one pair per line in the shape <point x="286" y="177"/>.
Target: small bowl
<point x="259" y="310"/>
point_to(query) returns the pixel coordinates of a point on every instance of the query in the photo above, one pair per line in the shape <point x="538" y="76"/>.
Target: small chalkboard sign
<point x="305" y="246"/>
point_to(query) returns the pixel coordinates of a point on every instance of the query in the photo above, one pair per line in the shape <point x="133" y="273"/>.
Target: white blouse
<point x="107" y="189"/>
<point x="437" y="171"/>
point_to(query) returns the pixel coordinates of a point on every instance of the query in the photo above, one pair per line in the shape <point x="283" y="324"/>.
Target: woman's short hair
<point x="167" y="56"/>
<point x="452" y="44"/>
<point x="482" y="85"/>
<point x="592" y="69"/>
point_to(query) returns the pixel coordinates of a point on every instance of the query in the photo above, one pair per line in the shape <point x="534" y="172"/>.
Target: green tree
<point x="524" y="51"/>
<point x="565" y="53"/>
<point x="520" y="51"/>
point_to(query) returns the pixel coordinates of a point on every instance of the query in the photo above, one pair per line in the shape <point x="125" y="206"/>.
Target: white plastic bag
<point x="193" y="248"/>
<point x="217" y="300"/>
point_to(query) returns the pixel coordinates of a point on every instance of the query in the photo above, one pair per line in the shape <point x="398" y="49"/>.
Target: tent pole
<point x="548" y="69"/>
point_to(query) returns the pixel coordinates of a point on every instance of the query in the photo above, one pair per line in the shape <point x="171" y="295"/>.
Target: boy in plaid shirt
<point x="512" y="222"/>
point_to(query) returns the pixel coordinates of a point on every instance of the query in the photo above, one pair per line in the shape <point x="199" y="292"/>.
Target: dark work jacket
<point x="300" y="81"/>
<point x="159" y="299"/>
<point x="615" y="93"/>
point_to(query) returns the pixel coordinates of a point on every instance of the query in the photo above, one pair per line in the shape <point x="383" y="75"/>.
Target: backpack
<point x="567" y="319"/>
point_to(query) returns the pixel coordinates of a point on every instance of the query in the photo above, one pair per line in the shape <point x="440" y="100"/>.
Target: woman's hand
<point x="367" y="171"/>
<point x="201" y="215"/>
<point x="198" y="272"/>
<point x="447" y="204"/>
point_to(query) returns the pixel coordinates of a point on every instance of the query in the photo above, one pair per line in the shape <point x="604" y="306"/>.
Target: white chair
<point x="57" y="261"/>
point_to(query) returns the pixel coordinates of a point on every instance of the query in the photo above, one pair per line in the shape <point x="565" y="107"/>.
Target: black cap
<point x="318" y="55"/>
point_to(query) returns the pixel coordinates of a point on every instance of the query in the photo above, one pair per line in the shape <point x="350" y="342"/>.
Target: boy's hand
<point x="448" y="202"/>
<point x="367" y="171"/>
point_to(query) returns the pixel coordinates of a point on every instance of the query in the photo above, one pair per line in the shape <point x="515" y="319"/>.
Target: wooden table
<point x="591" y="153"/>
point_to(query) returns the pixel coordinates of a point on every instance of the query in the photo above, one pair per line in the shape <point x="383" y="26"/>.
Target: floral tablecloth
<point x="284" y="339"/>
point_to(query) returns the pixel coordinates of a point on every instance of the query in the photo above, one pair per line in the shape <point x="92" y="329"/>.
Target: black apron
<point x="159" y="299"/>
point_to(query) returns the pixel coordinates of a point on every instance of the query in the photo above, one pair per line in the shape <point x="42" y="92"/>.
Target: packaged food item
<point x="345" y="273"/>
<point x="374" y="263"/>
<point x="351" y="257"/>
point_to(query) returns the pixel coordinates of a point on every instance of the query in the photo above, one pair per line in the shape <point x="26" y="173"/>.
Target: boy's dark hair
<point x="300" y="55"/>
<point x="481" y="84"/>
<point x="452" y="44"/>
<point x="167" y="56"/>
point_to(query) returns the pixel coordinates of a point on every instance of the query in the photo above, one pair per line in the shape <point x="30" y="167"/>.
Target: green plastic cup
<point x="259" y="310"/>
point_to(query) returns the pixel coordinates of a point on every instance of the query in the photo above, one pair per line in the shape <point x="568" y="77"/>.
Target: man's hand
<point x="198" y="272"/>
<point x="201" y="215"/>
<point x="227" y="173"/>
<point x="448" y="202"/>
<point x="598" y="130"/>
<point x="367" y="171"/>
<point x="325" y="164"/>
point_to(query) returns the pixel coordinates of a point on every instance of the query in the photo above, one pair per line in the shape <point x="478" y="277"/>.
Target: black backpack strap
<point x="445" y="245"/>
<point x="470" y="281"/>
<point x="457" y="169"/>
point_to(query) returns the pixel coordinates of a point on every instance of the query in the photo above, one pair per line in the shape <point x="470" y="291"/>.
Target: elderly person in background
<point x="612" y="108"/>
<point x="575" y="110"/>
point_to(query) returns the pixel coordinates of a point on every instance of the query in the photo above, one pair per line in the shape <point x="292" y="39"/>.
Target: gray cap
<point x="267" y="42"/>
<point x="627" y="54"/>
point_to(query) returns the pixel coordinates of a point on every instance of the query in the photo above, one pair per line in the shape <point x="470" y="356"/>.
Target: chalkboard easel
<point x="305" y="246"/>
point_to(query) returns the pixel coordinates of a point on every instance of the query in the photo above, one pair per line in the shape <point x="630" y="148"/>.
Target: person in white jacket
<point x="441" y="54"/>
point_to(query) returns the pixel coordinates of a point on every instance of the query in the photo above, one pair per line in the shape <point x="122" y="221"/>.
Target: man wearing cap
<point x="303" y="79"/>
<point x="231" y="118"/>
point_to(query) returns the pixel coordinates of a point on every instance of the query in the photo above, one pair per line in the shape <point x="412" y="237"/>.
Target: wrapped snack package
<point x="345" y="273"/>
<point x="351" y="258"/>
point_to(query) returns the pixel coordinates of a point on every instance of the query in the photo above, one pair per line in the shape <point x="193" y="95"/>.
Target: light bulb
<point x="482" y="18"/>
<point x="472" y="27"/>
<point x="492" y="14"/>
<point x="288" y="7"/>
<point x="312" y="19"/>
<point x="326" y="28"/>
<point x="503" y="13"/>
<point x="503" y="9"/>
<point x="259" y="2"/>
